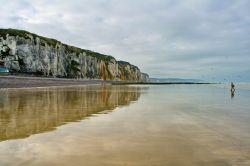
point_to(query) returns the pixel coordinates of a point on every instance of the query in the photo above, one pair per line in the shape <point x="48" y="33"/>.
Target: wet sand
<point x="125" y="126"/>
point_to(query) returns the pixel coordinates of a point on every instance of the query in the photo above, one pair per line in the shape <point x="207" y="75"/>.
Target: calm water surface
<point x="125" y="125"/>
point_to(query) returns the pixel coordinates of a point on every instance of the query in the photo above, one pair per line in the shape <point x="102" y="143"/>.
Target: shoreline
<point x="161" y="83"/>
<point x="21" y="82"/>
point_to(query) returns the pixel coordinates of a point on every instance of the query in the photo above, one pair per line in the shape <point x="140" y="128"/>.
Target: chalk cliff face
<point x="24" y="52"/>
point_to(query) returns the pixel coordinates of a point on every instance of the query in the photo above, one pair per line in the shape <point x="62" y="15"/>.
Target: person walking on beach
<point x="232" y="87"/>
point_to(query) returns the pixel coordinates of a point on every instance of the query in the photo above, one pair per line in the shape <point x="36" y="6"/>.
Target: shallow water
<point x="125" y="125"/>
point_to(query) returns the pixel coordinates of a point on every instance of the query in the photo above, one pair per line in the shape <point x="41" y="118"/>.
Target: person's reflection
<point x="232" y="90"/>
<point x="232" y="94"/>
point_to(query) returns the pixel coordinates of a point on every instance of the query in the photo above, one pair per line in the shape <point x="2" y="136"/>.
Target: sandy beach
<point x="12" y="81"/>
<point x="8" y="81"/>
<point x="134" y="125"/>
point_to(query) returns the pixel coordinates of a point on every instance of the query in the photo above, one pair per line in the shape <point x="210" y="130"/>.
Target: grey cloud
<point x="206" y="39"/>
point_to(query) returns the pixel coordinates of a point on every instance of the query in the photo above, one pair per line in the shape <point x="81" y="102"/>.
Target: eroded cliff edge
<point x="25" y="52"/>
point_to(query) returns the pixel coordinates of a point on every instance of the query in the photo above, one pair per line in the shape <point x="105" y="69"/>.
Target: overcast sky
<point x="203" y="39"/>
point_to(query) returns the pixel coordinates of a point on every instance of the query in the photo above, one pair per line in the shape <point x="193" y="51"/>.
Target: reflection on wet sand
<point x="232" y="94"/>
<point x="30" y="111"/>
<point x="170" y="125"/>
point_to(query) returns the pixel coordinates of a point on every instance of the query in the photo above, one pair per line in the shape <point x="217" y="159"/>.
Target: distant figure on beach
<point x="232" y="87"/>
